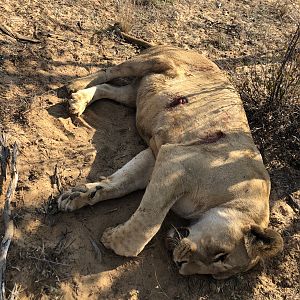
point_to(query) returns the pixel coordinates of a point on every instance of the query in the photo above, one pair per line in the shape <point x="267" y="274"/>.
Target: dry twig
<point x="129" y="38"/>
<point x="55" y="179"/>
<point x="79" y="121"/>
<point x="62" y="38"/>
<point x="17" y="36"/>
<point x="48" y="261"/>
<point x="8" y="221"/>
<point x="98" y="252"/>
<point x="15" y="292"/>
<point x="4" y="158"/>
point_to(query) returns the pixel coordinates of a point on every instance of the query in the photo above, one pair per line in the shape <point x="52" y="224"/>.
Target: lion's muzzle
<point x="174" y="236"/>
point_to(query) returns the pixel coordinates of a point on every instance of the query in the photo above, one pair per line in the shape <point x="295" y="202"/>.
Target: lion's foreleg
<point x="134" y="176"/>
<point x="164" y="189"/>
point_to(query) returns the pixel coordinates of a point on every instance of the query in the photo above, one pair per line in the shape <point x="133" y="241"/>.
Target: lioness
<point x="201" y="163"/>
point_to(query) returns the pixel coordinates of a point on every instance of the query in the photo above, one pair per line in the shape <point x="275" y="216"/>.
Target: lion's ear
<point x="262" y="242"/>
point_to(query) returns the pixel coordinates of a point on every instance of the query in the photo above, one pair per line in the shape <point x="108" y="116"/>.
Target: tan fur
<point x="207" y="167"/>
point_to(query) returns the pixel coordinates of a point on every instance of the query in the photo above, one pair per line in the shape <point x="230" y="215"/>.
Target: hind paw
<point x="79" y="102"/>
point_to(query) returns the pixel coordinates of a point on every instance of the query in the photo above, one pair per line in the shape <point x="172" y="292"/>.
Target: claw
<point x="74" y="195"/>
<point x="81" y="189"/>
<point x="65" y="196"/>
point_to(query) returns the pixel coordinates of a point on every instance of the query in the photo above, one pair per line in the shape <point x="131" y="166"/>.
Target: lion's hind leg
<point x="135" y="175"/>
<point x="123" y="94"/>
<point x="84" y="82"/>
<point x="156" y="62"/>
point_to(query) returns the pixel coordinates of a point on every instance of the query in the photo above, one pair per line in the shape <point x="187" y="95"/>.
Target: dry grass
<point x="11" y="111"/>
<point x="271" y="96"/>
<point x="129" y="9"/>
<point x="126" y="13"/>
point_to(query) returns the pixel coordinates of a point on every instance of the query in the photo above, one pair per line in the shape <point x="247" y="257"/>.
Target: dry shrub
<point x="287" y="8"/>
<point x="128" y="9"/>
<point x="126" y="13"/>
<point x="271" y="96"/>
<point x="10" y="111"/>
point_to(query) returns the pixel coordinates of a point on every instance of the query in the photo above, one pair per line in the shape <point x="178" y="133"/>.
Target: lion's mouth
<point x="174" y="236"/>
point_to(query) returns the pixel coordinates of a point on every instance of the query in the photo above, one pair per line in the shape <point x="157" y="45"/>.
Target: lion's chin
<point x="222" y="276"/>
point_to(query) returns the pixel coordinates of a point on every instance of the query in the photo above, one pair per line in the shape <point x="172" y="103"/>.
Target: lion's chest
<point x="185" y="207"/>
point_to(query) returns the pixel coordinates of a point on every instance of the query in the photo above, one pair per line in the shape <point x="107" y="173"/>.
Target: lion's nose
<point x="180" y="263"/>
<point x="184" y="232"/>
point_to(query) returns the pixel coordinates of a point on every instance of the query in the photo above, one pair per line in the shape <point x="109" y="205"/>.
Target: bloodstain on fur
<point x="178" y="100"/>
<point x="212" y="137"/>
<point x="209" y="138"/>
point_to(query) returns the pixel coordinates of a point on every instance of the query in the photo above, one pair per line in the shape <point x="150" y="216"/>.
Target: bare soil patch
<point x="54" y="256"/>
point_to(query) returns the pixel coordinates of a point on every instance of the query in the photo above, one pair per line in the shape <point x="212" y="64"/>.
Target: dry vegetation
<point x="52" y="256"/>
<point x="271" y="95"/>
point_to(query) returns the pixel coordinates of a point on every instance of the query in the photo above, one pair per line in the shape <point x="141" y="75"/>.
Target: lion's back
<point x="181" y="108"/>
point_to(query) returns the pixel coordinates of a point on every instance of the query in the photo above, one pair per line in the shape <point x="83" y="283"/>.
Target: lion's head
<point x="221" y="249"/>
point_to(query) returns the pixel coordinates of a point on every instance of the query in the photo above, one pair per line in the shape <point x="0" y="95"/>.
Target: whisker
<point x="179" y="234"/>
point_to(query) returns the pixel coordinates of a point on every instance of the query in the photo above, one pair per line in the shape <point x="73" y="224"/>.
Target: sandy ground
<point x="54" y="256"/>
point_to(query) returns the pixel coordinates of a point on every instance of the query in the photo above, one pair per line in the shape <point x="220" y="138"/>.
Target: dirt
<point x="59" y="256"/>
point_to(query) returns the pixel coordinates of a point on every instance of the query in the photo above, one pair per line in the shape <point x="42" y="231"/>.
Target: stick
<point x="129" y="38"/>
<point x="49" y="261"/>
<point x="79" y="121"/>
<point x="111" y="211"/>
<point x="56" y="179"/>
<point x="14" y="295"/>
<point x="293" y="202"/>
<point x="62" y="38"/>
<point x="98" y="252"/>
<point x="17" y="36"/>
<point x="4" y="158"/>
<point x="8" y="222"/>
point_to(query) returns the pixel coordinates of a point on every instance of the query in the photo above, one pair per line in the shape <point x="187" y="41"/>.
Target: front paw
<point x="120" y="241"/>
<point x="75" y="198"/>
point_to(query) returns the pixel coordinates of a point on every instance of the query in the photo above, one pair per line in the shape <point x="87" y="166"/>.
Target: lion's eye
<point x="220" y="257"/>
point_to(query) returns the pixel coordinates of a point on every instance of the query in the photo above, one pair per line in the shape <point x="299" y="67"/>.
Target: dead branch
<point x="7" y="219"/>
<point x="129" y="38"/>
<point x="55" y="179"/>
<point x="17" y="36"/>
<point x="111" y="211"/>
<point x="293" y="202"/>
<point x="4" y="158"/>
<point x="79" y="121"/>
<point x="62" y="38"/>
<point x="97" y="250"/>
<point x="49" y="261"/>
